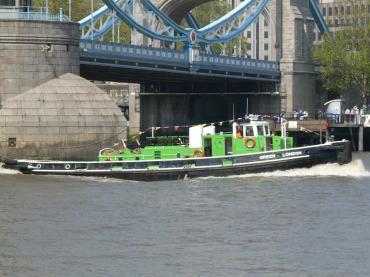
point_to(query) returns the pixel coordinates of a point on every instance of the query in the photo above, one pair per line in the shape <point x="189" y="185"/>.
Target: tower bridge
<point x="275" y="72"/>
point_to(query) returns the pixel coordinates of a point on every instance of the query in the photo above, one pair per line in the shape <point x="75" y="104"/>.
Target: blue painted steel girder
<point x="99" y="53"/>
<point x="222" y="30"/>
<point x="247" y="10"/>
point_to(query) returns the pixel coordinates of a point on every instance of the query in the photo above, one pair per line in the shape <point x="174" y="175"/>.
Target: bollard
<point x="361" y="139"/>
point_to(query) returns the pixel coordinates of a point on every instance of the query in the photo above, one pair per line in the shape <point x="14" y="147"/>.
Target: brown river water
<point x="304" y="222"/>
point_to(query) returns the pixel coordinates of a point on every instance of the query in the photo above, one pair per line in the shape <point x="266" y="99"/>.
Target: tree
<point x="345" y="55"/>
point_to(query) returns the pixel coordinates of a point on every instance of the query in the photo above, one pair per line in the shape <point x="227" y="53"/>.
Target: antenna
<point x="246" y="108"/>
<point x="233" y="111"/>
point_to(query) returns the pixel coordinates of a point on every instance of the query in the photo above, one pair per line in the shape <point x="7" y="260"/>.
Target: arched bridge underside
<point x="177" y="9"/>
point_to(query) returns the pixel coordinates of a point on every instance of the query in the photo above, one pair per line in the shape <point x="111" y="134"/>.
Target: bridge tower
<point x="35" y="46"/>
<point x="297" y="69"/>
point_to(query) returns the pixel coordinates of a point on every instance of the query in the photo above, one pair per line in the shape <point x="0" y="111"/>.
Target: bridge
<point x="194" y="73"/>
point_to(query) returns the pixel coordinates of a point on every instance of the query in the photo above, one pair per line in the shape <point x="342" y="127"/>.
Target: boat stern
<point x="344" y="154"/>
<point x="16" y="165"/>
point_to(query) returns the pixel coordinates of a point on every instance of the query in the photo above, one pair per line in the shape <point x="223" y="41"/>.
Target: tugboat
<point x="249" y="147"/>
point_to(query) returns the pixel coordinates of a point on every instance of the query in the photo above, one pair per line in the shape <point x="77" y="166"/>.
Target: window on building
<point x="336" y="22"/>
<point x="266" y="34"/>
<point x="266" y="58"/>
<point x="342" y="10"/>
<point x="356" y="9"/>
<point x="324" y="11"/>
<point x="249" y="46"/>
<point x="249" y="34"/>
<point x="336" y="11"/>
<point x="330" y="11"/>
<point x="7" y="2"/>
<point x="348" y="12"/>
<point x="265" y="23"/>
<point x="266" y="46"/>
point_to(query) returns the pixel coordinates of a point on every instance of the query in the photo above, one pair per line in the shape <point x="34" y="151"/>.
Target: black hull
<point x="336" y="152"/>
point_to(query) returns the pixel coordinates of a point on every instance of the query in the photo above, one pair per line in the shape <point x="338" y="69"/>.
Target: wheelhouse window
<point x="260" y="130"/>
<point x="248" y="131"/>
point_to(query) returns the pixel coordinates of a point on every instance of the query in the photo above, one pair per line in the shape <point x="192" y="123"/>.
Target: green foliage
<point x="345" y="56"/>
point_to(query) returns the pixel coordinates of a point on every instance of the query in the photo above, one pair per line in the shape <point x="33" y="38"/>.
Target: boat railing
<point x="167" y="141"/>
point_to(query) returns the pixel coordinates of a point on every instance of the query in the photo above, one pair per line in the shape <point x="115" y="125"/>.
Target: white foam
<point x="355" y="169"/>
<point x="5" y="171"/>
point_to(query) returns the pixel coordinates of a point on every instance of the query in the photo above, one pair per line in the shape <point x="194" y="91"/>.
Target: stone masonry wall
<point x="297" y="69"/>
<point x="32" y="52"/>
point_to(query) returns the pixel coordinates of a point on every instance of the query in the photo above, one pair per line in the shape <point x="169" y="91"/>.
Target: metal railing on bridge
<point x="238" y="63"/>
<point x="135" y="52"/>
<point x="30" y="13"/>
<point x="181" y="61"/>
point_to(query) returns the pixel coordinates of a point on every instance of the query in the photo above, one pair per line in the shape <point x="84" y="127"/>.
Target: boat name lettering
<point x="265" y="157"/>
<point x="292" y="154"/>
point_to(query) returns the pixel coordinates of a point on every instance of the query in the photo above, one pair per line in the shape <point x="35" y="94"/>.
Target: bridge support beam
<point x="296" y="65"/>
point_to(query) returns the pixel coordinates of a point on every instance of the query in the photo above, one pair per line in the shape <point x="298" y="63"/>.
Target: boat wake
<point x="5" y="171"/>
<point x="355" y="169"/>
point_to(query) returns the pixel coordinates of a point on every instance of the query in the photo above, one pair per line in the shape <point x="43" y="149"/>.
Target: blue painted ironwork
<point x="242" y="64"/>
<point x="233" y="23"/>
<point x="319" y="19"/>
<point x="193" y="23"/>
<point x="125" y="16"/>
<point x="222" y="30"/>
<point x="106" y="18"/>
<point x="181" y="62"/>
<point x="95" y="16"/>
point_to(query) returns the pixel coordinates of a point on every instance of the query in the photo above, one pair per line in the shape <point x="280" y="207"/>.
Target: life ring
<point x="136" y="151"/>
<point x="250" y="142"/>
<point x="198" y="153"/>
<point x="38" y="166"/>
<point x="67" y="166"/>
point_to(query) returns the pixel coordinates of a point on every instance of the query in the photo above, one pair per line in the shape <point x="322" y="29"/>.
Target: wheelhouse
<point x="245" y="137"/>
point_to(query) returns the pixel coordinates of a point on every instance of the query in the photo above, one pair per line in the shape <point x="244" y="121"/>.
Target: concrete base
<point x="67" y="118"/>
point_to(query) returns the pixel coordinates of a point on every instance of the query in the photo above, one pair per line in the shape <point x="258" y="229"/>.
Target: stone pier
<point x="298" y="78"/>
<point x="33" y="52"/>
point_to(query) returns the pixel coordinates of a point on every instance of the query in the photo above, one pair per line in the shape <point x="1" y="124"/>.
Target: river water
<point x="306" y="222"/>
